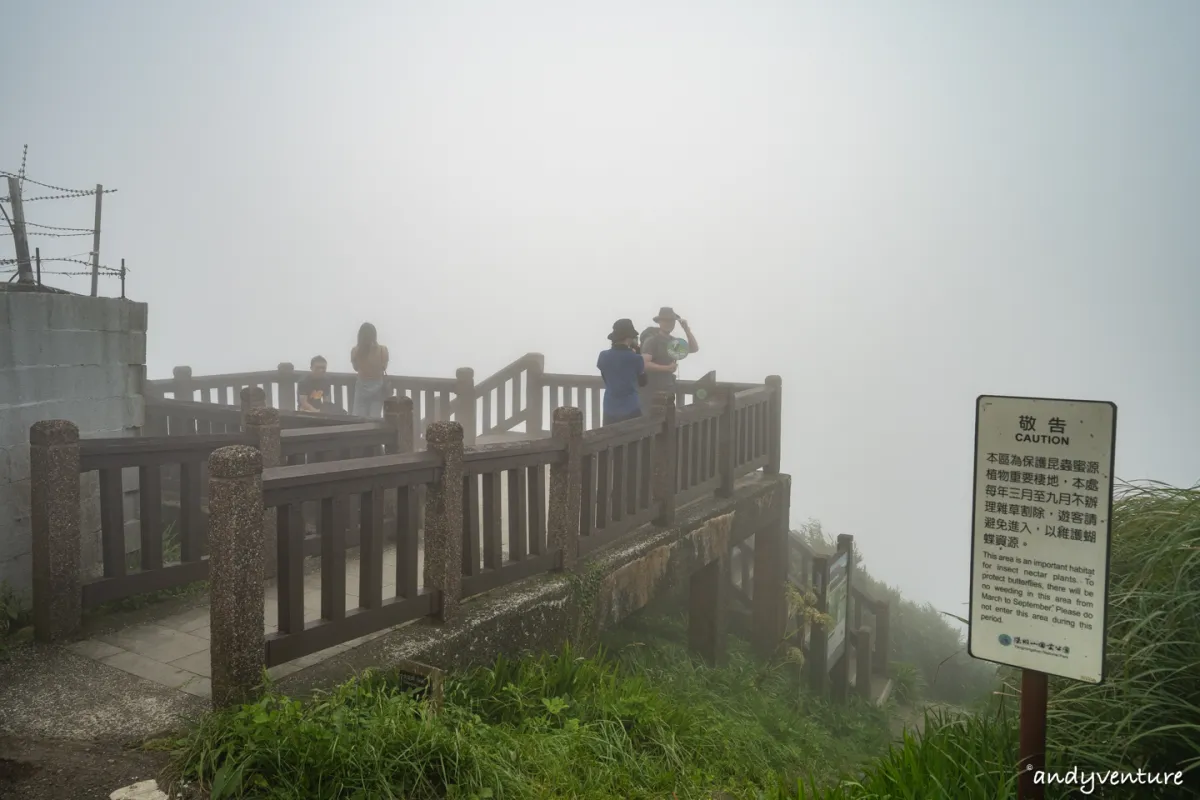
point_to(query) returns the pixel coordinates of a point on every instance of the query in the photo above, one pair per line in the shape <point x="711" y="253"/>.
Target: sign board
<point x="1040" y="534"/>
<point x="421" y="680"/>
<point x="837" y="601"/>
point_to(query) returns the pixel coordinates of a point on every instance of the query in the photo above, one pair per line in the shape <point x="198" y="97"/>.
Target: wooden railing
<point x="517" y="398"/>
<point x="339" y="472"/>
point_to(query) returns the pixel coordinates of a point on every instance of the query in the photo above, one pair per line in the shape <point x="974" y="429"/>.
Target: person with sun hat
<point x="661" y="348"/>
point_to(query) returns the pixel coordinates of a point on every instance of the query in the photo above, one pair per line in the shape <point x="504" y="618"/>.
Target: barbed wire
<point x="50" y="235"/>
<point x="21" y="177"/>
<point x="67" y="260"/>
<point x="88" y="193"/>
<point x="24" y="157"/>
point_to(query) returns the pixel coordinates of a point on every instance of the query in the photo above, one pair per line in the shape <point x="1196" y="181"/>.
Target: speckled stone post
<point x="236" y="573"/>
<point x="253" y="397"/>
<point x="398" y="414"/>
<point x="263" y="425"/>
<point x="566" y="486"/>
<point x="54" y="506"/>
<point x="664" y="458"/>
<point x="444" y="521"/>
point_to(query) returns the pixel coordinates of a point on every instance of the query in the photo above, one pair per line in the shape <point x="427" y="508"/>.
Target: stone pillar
<point x="465" y="390"/>
<point x="263" y="425"/>
<point x="535" y="382"/>
<point x="707" y="609"/>
<point x="775" y="425"/>
<point x="54" y="507"/>
<point x="236" y="574"/>
<point x="770" y="581"/>
<point x="665" y="462"/>
<point x="252" y="397"/>
<point x="287" y="387"/>
<point x="444" y="521"/>
<point x="566" y="486"/>
<point x="862" y="666"/>
<point x="183" y="390"/>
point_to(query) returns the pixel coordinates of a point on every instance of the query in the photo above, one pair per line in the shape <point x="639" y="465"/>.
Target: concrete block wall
<point x="69" y="357"/>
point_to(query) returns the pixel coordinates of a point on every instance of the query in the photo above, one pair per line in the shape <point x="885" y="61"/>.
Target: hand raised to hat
<point x="683" y="323"/>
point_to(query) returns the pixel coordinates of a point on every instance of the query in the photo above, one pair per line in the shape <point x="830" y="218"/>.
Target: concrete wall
<point x="63" y="357"/>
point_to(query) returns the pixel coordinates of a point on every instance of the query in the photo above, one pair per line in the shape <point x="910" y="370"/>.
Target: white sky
<point x="895" y="206"/>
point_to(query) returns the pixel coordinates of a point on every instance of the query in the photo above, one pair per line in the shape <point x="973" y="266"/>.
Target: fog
<point x="894" y="206"/>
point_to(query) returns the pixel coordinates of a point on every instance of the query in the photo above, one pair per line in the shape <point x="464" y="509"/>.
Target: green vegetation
<point x="641" y="720"/>
<point x="645" y="720"/>
<point x="1145" y="716"/>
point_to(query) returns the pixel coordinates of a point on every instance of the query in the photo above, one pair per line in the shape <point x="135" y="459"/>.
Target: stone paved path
<point x="174" y="651"/>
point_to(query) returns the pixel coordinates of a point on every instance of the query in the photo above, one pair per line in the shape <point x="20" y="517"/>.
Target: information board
<point x="837" y="600"/>
<point x="1040" y="534"/>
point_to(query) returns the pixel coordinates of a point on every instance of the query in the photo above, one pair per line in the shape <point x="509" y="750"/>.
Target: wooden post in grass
<point x="1034" y="698"/>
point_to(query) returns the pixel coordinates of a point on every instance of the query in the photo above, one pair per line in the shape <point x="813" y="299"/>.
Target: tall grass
<point x="1145" y="716"/>
<point x="643" y="720"/>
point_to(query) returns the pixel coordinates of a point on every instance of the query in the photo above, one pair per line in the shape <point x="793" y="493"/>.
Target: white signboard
<point x="837" y="601"/>
<point x="1040" y="534"/>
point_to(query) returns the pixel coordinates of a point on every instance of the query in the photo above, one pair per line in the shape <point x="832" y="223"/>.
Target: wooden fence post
<point x="287" y="387"/>
<point x="54" y="507"/>
<point x="774" y="441"/>
<point x="444" y="521"/>
<point x="726" y="444"/>
<point x="535" y="382"/>
<point x="465" y="389"/>
<point x="665" y="457"/>
<point x="236" y="573"/>
<point x="566" y="486"/>
<point x="182" y="387"/>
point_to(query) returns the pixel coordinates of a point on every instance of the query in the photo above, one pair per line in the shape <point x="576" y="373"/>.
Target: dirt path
<point x="54" y="769"/>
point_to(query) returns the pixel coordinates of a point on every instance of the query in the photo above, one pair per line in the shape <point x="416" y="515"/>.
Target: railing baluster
<point x="290" y="575"/>
<point x="587" y="504"/>
<point x="112" y="522"/>
<point x="407" y="518"/>
<point x="603" y="484"/>
<point x="333" y="560"/>
<point x="536" y="480"/>
<point x="470" y="531"/>
<point x="633" y="477"/>
<point x="517" y="517"/>
<point x="151" y="529"/>
<point x="370" y="567"/>
<point x="191" y="541"/>
<point x="493" y="523"/>
<point x="617" y="509"/>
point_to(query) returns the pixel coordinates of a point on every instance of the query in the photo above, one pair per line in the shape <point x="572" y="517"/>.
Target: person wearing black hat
<point x="655" y="343"/>
<point x="624" y="370"/>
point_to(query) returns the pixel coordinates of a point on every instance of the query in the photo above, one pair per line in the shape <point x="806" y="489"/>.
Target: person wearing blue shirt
<point x="624" y="369"/>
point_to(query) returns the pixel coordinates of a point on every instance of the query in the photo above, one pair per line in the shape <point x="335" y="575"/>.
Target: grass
<point x="640" y="720"/>
<point x="1145" y="716"/>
